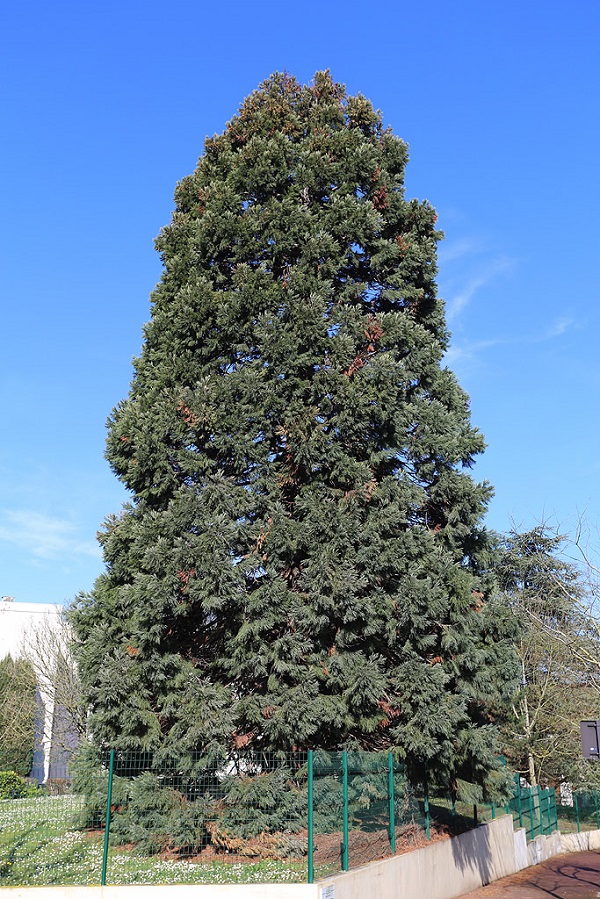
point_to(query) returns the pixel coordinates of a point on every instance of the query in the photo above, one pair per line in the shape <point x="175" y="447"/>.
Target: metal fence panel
<point x="238" y="818"/>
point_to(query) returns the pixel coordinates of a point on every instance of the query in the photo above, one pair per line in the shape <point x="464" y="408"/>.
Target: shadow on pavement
<point x="573" y="876"/>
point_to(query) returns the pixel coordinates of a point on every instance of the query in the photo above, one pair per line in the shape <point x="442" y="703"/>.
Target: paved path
<point x="572" y="876"/>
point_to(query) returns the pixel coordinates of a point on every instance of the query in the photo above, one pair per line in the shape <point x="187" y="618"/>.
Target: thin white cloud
<point x="485" y="273"/>
<point x="469" y="350"/>
<point x="450" y="250"/>
<point x="42" y="536"/>
<point x="559" y="327"/>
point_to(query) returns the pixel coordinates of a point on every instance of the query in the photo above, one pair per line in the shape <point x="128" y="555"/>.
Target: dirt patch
<point x="368" y="846"/>
<point x="363" y="846"/>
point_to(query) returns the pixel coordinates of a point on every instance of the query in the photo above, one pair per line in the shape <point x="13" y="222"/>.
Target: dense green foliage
<point x="17" y="715"/>
<point x="248" y="804"/>
<point x="14" y="786"/>
<point x="303" y="561"/>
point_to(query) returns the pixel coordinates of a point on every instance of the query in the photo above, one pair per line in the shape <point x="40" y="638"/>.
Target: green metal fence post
<point x="531" y="814"/>
<point x="426" y="807"/>
<point x="596" y="807"/>
<point x="107" y="818"/>
<point x="540" y="809"/>
<point x="392" y="803"/>
<point x="493" y="808"/>
<point x="507" y="808"/>
<point x="518" y="786"/>
<point x="345" y="801"/>
<point x="545" y="807"/>
<point x="551" y="793"/>
<point x="577" y="811"/>
<point x="475" y="820"/>
<point x="311" y="860"/>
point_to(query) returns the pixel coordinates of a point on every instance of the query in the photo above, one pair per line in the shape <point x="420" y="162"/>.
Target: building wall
<point x="16" y="618"/>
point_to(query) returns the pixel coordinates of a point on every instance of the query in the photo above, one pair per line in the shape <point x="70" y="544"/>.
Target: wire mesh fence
<point x="456" y="814"/>
<point x="121" y="818"/>
<point x="240" y="817"/>
<point x="534" y="809"/>
<point x="579" y="810"/>
<point x="150" y="818"/>
<point x="364" y="809"/>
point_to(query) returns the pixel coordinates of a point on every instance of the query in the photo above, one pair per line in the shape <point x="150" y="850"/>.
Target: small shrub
<point x="13" y="786"/>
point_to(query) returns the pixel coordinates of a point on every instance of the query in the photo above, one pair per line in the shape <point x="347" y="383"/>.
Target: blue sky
<point x="106" y="105"/>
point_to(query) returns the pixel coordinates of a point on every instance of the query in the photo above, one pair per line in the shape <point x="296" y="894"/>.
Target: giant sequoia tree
<point x="302" y="563"/>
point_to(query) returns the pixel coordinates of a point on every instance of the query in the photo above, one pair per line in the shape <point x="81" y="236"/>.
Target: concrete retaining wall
<point x="521" y="857"/>
<point x="543" y="847"/>
<point x="442" y="870"/>
<point x="448" y="869"/>
<point x="578" y="842"/>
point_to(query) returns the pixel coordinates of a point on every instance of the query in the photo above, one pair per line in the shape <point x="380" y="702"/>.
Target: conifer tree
<point x="303" y="562"/>
<point x="17" y="715"/>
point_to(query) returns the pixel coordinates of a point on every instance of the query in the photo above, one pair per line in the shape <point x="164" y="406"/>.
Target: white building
<point x="18" y="620"/>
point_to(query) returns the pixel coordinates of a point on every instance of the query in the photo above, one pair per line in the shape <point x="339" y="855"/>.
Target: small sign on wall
<point x="328" y="892"/>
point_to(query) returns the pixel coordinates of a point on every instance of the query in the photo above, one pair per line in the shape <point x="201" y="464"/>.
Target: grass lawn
<point x="40" y="846"/>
